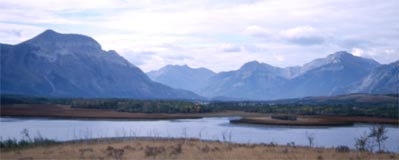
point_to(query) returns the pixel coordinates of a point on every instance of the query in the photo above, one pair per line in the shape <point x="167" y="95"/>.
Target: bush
<point x="14" y="144"/>
<point x="342" y="149"/>
<point x="114" y="152"/>
<point x="284" y="117"/>
<point x="153" y="151"/>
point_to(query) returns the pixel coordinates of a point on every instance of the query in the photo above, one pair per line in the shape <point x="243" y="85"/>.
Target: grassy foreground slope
<point x="181" y="149"/>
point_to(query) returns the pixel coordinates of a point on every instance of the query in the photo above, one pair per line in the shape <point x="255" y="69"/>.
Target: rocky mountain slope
<point x="72" y="65"/>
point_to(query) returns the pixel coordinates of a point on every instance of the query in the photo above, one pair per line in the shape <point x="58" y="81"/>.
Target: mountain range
<point x="338" y="73"/>
<point x="72" y="65"/>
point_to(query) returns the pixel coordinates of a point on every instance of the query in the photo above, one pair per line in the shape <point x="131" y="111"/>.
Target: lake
<point x="205" y="128"/>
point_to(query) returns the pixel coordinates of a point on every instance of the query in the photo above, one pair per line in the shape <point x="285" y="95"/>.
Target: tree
<point x="310" y="138"/>
<point x="362" y="142"/>
<point x="25" y="134"/>
<point x="379" y="133"/>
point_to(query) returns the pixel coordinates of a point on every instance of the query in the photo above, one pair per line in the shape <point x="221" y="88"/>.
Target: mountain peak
<point x="340" y="55"/>
<point x="51" y="38"/>
<point x="48" y="32"/>
<point x="254" y="65"/>
<point x="254" y="62"/>
<point x="46" y="35"/>
<point x="346" y="57"/>
<point x="338" y="58"/>
<point x="176" y="66"/>
<point x="182" y="76"/>
<point x="185" y="66"/>
<point x="251" y="64"/>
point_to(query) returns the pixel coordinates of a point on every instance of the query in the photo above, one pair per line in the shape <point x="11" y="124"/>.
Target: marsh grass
<point x="13" y="144"/>
<point x="168" y="148"/>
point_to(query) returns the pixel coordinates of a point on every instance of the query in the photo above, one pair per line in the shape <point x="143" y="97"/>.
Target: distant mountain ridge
<point x="326" y="76"/>
<point x="338" y="73"/>
<point x="182" y="77"/>
<point x="253" y="80"/>
<point x="72" y="65"/>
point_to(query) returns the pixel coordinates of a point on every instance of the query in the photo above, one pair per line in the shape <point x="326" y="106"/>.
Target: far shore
<point x="65" y="111"/>
<point x="68" y="112"/>
<point x="315" y="120"/>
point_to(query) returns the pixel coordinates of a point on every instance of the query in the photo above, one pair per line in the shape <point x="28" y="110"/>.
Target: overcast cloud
<point x="219" y="35"/>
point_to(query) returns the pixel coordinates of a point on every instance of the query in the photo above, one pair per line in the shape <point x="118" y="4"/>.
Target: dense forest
<point x="342" y="107"/>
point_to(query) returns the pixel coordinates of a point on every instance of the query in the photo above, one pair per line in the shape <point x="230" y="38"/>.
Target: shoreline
<point x="52" y="111"/>
<point x="68" y="112"/>
<point x="316" y="121"/>
<point x="289" y="123"/>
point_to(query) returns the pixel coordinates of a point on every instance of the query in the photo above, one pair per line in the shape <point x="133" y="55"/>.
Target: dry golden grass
<point x="181" y="149"/>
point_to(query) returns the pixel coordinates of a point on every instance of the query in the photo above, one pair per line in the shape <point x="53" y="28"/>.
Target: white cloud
<point x="227" y="47"/>
<point x="357" y="52"/>
<point x="16" y="33"/>
<point x="257" y="31"/>
<point x="62" y="5"/>
<point x="199" y="33"/>
<point x="385" y="55"/>
<point x="279" y="58"/>
<point x="303" y="35"/>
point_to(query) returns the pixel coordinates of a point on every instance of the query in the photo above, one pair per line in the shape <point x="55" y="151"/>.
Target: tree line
<point x="349" y="108"/>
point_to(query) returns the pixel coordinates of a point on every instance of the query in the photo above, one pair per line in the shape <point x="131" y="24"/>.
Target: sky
<point x="220" y="35"/>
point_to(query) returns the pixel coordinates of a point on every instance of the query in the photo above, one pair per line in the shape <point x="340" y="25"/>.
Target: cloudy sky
<point x="220" y="35"/>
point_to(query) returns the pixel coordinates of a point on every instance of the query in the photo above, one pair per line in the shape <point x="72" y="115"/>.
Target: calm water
<point x="206" y="128"/>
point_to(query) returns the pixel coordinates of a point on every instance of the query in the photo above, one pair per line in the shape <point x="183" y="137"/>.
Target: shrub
<point x="114" y="152"/>
<point x="153" y="151"/>
<point x="284" y="117"/>
<point x="176" y="149"/>
<point x="342" y="149"/>
<point x="10" y="144"/>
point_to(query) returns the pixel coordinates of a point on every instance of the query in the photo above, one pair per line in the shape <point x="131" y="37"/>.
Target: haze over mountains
<point x="182" y="77"/>
<point x="72" y="65"/>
